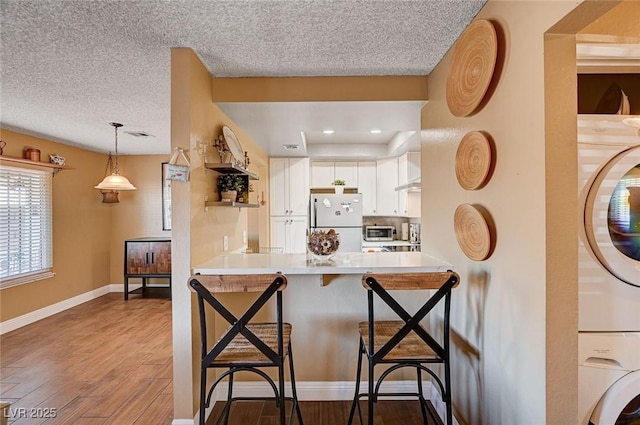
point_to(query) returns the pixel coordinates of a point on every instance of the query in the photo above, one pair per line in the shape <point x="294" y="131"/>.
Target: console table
<point x="146" y="258"/>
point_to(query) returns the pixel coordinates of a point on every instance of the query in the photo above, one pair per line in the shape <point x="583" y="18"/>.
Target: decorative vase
<point x="229" y="196"/>
<point x="339" y="189"/>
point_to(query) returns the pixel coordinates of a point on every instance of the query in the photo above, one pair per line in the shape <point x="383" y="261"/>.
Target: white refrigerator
<point x="343" y="213"/>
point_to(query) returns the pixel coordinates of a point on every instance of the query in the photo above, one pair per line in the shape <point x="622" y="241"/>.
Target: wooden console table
<point x="146" y="258"/>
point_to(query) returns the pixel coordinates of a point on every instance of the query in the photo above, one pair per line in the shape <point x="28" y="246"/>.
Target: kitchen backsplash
<point x="388" y="221"/>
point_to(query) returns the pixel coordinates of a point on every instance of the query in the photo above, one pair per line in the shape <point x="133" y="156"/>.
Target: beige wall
<point x="515" y="314"/>
<point x="198" y="232"/>
<point x="81" y="229"/>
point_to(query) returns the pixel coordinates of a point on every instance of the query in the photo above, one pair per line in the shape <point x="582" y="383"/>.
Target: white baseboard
<point x="34" y="316"/>
<point x="183" y="422"/>
<point x="328" y="391"/>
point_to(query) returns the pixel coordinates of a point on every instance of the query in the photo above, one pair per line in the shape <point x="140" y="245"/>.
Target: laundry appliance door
<point x="620" y="405"/>
<point x="609" y="269"/>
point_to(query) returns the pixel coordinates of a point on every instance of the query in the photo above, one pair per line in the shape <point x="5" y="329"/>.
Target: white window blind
<point x="26" y="242"/>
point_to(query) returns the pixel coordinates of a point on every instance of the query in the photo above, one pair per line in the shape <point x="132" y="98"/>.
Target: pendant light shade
<point x="115" y="181"/>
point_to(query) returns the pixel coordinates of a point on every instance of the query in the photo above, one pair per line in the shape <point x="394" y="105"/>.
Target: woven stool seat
<point x="240" y="350"/>
<point x="412" y="347"/>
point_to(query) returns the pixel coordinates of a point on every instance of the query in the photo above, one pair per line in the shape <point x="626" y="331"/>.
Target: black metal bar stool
<point x="245" y="346"/>
<point x="405" y="343"/>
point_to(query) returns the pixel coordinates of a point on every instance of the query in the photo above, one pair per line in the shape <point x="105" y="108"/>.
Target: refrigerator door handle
<point x="315" y="212"/>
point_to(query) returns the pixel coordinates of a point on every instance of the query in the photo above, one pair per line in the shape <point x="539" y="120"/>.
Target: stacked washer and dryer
<point x="609" y="272"/>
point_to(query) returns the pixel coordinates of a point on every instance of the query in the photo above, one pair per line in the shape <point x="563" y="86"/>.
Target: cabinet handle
<point x="152" y="258"/>
<point x="146" y="258"/>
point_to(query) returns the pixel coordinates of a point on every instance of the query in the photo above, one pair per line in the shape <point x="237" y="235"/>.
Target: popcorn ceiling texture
<point x="70" y="67"/>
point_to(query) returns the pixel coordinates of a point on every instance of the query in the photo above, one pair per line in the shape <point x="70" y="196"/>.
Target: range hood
<point x="412" y="186"/>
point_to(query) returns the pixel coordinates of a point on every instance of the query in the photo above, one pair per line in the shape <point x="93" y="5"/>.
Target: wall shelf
<point x="10" y="160"/>
<point x="227" y="168"/>
<point x="230" y="204"/>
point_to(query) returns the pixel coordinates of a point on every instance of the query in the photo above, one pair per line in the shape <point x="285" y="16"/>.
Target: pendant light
<point x="115" y="181"/>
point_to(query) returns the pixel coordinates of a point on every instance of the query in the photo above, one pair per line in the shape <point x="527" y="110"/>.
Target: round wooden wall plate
<point x="473" y="232"/>
<point x="471" y="69"/>
<point x="474" y="160"/>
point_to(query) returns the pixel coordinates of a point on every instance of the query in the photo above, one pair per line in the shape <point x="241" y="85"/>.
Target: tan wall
<point x="515" y="314"/>
<point x="81" y="230"/>
<point x="198" y="232"/>
<point x="139" y="213"/>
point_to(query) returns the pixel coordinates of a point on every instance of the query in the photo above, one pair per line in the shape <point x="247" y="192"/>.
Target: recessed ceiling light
<point x="375" y="131"/>
<point x="327" y="131"/>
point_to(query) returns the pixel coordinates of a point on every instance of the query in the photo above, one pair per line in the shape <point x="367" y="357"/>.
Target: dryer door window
<point x="612" y="216"/>
<point x="620" y="405"/>
<point x="631" y="413"/>
<point x="624" y="214"/>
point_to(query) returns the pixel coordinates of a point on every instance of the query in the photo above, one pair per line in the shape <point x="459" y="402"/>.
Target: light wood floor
<point x="110" y="362"/>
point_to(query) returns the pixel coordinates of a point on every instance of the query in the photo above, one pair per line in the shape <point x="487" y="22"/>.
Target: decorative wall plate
<point x="474" y="160"/>
<point x="474" y="231"/>
<point x="472" y="66"/>
<point x="234" y="145"/>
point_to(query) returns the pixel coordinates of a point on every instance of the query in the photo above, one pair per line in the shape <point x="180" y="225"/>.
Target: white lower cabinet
<point x="289" y="233"/>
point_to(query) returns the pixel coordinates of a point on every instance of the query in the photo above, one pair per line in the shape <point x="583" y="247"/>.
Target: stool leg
<point x="294" y="391"/>
<point x="203" y="389"/>
<point x="447" y="397"/>
<point x="421" y="397"/>
<point x="356" y="397"/>
<point x="371" y="399"/>
<point x="281" y="392"/>
<point x="227" y="407"/>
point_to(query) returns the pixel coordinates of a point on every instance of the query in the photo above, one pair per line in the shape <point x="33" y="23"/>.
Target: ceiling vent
<point x="291" y="147"/>
<point x="139" y="134"/>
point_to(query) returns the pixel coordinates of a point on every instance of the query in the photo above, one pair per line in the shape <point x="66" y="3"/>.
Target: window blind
<point x="26" y="243"/>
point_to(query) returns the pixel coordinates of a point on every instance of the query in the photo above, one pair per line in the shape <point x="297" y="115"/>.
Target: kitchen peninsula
<point x="325" y="302"/>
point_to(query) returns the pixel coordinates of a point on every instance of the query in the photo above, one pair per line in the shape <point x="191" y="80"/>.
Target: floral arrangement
<point x="338" y="182"/>
<point x="228" y="182"/>
<point x="323" y="243"/>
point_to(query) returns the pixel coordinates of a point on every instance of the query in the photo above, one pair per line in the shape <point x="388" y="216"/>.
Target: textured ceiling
<point x="68" y="68"/>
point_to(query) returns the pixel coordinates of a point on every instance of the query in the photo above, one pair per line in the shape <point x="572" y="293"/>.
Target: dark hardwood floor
<point x="108" y="361"/>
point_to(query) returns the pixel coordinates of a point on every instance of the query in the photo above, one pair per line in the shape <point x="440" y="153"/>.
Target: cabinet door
<point x="137" y="254"/>
<point x="279" y="232"/>
<point x="322" y="173"/>
<point x="367" y="186"/>
<point x="298" y="186"/>
<point x="297" y="227"/>
<point x="387" y="181"/>
<point x="403" y="164"/>
<point x="160" y="257"/>
<point x="347" y="171"/>
<point x="279" y="186"/>
<point x="413" y="166"/>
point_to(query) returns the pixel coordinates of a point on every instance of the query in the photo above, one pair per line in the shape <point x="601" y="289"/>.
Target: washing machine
<point x="609" y="245"/>
<point x="609" y="378"/>
<point x="609" y="271"/>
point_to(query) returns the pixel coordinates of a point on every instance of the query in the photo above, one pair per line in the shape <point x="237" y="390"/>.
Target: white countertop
<point x="341" y="263"/>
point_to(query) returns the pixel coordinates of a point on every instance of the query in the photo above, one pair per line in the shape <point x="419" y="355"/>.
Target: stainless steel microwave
<point x="378" y="233"/>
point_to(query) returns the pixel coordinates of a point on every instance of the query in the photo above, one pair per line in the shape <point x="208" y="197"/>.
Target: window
<point x="26" y="252"/>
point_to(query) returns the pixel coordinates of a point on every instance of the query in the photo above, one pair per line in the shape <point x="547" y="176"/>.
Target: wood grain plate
<point x="473" y="232"/>
<point x="472" y="66"/>
<point x="474" y="160"/>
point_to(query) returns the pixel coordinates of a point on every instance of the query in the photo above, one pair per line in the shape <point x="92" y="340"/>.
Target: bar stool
<point x="405" y="343"/>
<point x="245" y="346"/>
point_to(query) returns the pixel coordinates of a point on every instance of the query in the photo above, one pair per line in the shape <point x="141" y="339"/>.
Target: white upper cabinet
<point x="324" y="173"/>
<point x="347" y="171"/>
<point x="289" y="186"/>
<point x="367" y="186"/>
<point x="387" y="181"/>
